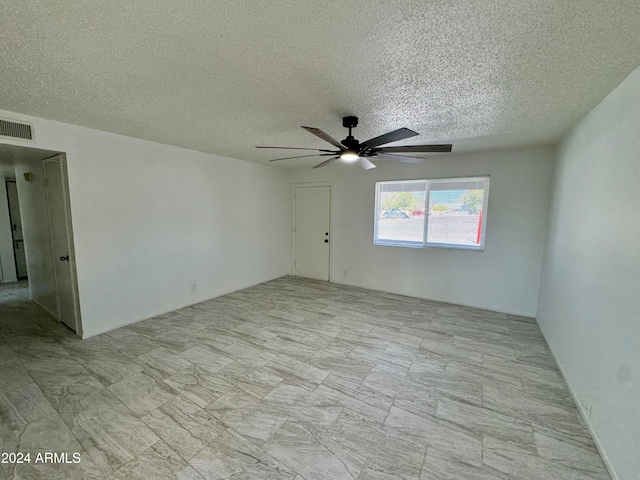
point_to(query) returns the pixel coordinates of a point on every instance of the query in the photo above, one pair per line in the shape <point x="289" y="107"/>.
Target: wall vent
<point x="15" y="130"/>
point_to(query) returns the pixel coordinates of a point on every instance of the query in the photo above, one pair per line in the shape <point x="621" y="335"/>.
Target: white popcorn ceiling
<point x="223" y="76"/>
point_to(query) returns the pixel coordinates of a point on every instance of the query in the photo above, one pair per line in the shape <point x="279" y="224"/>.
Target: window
<point x="444" y="212"/>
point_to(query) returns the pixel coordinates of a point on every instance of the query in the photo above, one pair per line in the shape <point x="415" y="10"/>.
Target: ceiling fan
<point x="351" y="150"/>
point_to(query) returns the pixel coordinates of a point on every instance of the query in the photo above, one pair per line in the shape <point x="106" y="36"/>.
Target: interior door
<point x="312" y="232"/>
<point x="16" y="230"/>
<point x="60" y="242"/>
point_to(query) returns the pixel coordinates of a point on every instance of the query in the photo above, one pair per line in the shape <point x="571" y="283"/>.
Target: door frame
<point x="8" y="180"/>
<point x="62" y="159"/>
<point x="293" y="222"/>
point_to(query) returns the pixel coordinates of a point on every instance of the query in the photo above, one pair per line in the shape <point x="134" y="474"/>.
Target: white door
<point x="312" y="234"/>
<point x="60" y="242"/>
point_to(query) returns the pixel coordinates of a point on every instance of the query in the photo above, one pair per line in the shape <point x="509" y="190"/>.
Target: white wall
<point x="589" y="305"/>
<point x="7" y="261"/>
<point x="504" y="277"/>
<point x="149" y="220"/>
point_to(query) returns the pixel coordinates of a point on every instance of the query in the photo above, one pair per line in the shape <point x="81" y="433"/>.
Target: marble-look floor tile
<point x="208" y="358"/>
<point x="89" y="349"/>
<point x="375" y="474"/>
<point x="360" y="393"/>
<point x="245" y="376"/>
<point x="582" y="459"/>
<point x="519" y="464"/>
<point x="385" y="449"/>
<point x="515" y="403"/>
<point x="6" y="354"/>
<point x="250" y="354"/>
<point x="48" y="433"/>
<point x="279" y="345"/>
<point x="142" y="393"/>
<point x="352" y="404"/>
<point x="422" y="396"/>
<point x="248" y="416"/>
<point x="231" y="456"/>
<point x="114" y="437"/>
<point x="296" y="371"/>
<point x="442" y="435"/>
<point x="303" y="405"/>
<point x="348" y="368"/>
<point x="184" y="426"/>
<point x="158" y="461"/>
<point x="442" y="467"/>
<point x="129" y="342"/>
<point x="175" y="341"/>
<point x="292" y="379"/>
<point x="483" y="421"/>
<point x="56" y="373"/>
<point x="112" y="368"/>
<point x="452" y="386"/>
<point x="19" y="407"/>
<point x="297" y="448"/>
<point x="482" y="376"/>
<point x="200" y="386"/>
<point x="161" y="363"/>
<point x="81" y="400"/>
<point x="14" y="376"/>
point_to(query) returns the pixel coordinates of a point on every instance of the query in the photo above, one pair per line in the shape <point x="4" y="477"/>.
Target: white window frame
<point x="425" y="244"/>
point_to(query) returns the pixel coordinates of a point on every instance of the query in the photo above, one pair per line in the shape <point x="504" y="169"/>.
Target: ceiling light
<point x="349" y="156"/>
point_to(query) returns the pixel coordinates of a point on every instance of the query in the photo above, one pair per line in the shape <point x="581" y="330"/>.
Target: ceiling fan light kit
<point x="351" y="150"/>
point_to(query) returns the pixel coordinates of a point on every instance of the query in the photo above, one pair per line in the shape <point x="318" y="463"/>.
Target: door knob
<point x="326" y="241"/>
<point x="64" y="259"/>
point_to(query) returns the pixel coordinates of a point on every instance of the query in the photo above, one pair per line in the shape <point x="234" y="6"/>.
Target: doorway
<point x="40" y="221"/>
<point x="15" y="222"/>
<point x="312" y="232"/>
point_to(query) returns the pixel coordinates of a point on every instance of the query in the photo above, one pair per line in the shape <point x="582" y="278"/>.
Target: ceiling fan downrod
<point x="350" y="142"/>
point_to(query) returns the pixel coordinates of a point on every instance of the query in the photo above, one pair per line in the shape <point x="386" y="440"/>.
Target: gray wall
<point x="589" y="306"/>
<point x="505" y="277"/>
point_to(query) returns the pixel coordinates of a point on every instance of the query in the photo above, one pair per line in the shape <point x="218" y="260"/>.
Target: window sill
<point x="429" y="246"/>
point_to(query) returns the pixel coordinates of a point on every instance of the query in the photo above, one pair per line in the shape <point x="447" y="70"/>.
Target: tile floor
<point x="291" y="379"/>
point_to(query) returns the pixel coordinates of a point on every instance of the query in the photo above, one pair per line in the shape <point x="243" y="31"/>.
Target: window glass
<point x="447" y="212"/>
<point x="401" y="211"/>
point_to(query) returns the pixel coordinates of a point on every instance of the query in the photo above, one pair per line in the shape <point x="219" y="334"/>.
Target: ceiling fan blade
<point x="302" y="156"/>
<point x="326" y="162"/>
<point x="327" y="138"/>
<point x="299" y="148"/>
<point x="394" y="136"/>
<point x="418" y="148"/>
<point x="399" y="158"/>
<point x="366" y="164"/>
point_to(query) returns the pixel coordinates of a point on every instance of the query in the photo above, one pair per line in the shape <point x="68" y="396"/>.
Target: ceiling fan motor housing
<point x="350" y="122"/>
<point x="350" y="142"/>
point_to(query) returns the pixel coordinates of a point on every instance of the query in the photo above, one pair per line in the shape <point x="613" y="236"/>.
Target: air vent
<point x="15" y="130"/>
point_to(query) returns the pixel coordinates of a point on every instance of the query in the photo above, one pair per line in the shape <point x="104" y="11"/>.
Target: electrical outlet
<point x="345" y="273"/>
<point x="193" y="287"/>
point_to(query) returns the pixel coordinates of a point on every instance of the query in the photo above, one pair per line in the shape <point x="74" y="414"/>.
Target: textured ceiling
<point x="223" y="76"/>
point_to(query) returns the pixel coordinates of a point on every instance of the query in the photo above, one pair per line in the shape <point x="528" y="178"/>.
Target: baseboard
<point x="601" y="450"/>
<point x="132" y="322"/>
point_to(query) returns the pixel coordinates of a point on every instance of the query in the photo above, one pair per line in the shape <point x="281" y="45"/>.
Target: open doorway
<point x="36" y="240"/>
